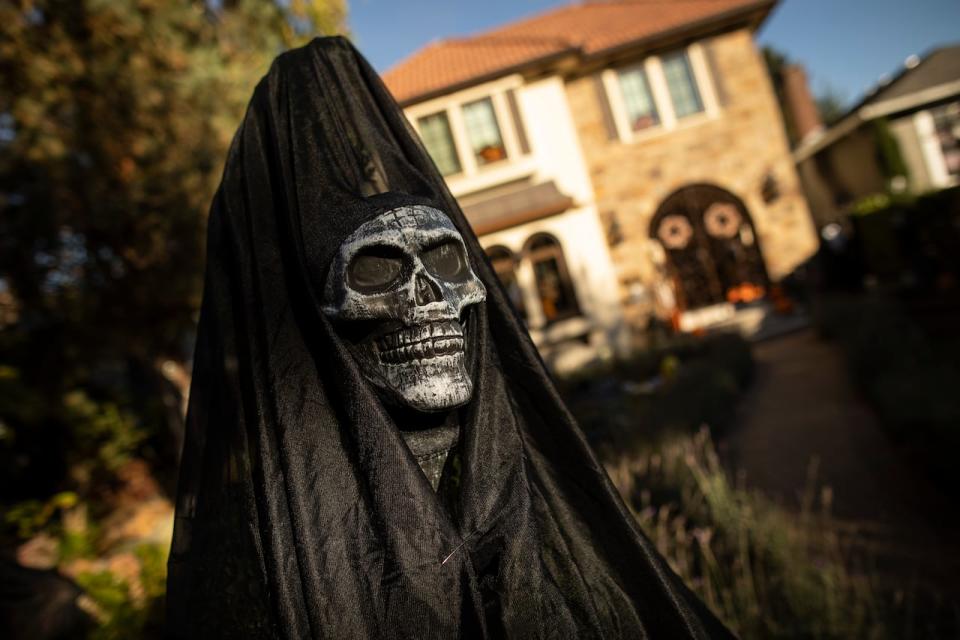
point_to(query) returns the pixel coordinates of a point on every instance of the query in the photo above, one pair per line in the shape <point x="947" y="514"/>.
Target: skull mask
<point x="400" y="287"/>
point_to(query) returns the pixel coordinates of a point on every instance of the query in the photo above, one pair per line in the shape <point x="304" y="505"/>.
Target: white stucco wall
<point x="554" y="155"/>
<point x="554" y="144"/>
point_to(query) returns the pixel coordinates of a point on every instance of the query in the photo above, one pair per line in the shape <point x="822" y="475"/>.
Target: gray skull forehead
<point x="407" y="272"/>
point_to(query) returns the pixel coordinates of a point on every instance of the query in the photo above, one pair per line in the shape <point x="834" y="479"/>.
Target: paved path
<point x="802" y="407"/>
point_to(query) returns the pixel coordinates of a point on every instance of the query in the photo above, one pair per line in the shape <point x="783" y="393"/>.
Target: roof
<point x="932" y="79"/>
<point x="516" y="207"/>
<point x="938" y="67"/>
<point x="587" y="30"/>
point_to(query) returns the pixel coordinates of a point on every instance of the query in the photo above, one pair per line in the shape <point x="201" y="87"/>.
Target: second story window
<point x="659" y="93"/>
<point x="681" y="84"/>
<point x="476" y="137"/>
<point x="483" y="132"/>
<point x="437" y="138"/>
<point x="638" y="100"/>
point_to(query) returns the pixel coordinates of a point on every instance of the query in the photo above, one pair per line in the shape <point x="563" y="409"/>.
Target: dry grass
<point x="766" y="572"/>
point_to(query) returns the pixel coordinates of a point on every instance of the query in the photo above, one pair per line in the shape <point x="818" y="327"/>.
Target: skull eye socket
<point x="374" y="269"/>
<point x="445" y="261"/>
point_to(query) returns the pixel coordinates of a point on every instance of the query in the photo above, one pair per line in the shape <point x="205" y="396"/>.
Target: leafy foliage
<point x="889" y="156"/>
<point x="128" y="608"/>
<point x="832" y="104"/>
<point x="672" y="389"/>
<point x="115" y="118"/>
<point x="909" y="375"/>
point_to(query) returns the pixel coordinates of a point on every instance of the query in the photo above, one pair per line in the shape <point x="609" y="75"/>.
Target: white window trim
<point x="937" y="172"/>
<point x="473" y="177"/>
<point x="657" y="81"/>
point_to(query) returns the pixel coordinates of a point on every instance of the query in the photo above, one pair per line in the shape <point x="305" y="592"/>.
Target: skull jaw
<point x="436" y="384"/>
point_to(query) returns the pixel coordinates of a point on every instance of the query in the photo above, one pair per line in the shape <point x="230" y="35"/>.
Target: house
<point x="618" y="160"/>
<point x="905" y="135"/>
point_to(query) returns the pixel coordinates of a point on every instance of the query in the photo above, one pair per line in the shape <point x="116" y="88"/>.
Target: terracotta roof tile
<point x="588" y="29"/>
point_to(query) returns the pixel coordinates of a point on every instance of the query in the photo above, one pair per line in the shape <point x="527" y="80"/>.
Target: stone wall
<point x="736" y="150"/>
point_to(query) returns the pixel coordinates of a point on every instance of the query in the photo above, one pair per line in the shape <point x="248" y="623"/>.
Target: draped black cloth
<point x="301" y="512"/>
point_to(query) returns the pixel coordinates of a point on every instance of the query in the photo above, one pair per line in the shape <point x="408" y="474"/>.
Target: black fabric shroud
<point x="301" y="512"/>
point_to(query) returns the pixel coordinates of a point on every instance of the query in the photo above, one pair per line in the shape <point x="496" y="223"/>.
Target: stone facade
<point x="739" y="147"/>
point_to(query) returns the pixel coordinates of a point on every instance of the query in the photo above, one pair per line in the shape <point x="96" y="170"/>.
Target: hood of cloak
<point x="301" y="512"/>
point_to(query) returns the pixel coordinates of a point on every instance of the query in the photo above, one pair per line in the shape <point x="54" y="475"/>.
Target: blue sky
<point x="846" y="45"/>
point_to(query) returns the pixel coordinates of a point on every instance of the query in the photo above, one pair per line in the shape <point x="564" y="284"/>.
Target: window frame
<point x="652" y="67"/>
<point x="621" y="94"/>
<point x="684" y="57"/>
<point x="534" y="255"/>
<point x="473" y="175"/>
<point x="453" y="142"/>
<point x="498" y="127"/>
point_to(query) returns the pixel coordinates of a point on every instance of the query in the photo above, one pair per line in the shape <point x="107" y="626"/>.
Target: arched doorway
<point x="505" y="265"/>
<point x="554" y="285"/>
<point x="712" y="251"/>
<point x="537" y="280"/>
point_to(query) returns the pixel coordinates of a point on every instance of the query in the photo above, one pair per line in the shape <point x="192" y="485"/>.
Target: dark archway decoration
<point x="713" y="254"/>
<point x="554" y="285"/>
<point x="505" y="266"/>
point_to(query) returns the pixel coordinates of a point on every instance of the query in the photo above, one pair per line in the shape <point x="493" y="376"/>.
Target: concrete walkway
<point x="802" y="407"/>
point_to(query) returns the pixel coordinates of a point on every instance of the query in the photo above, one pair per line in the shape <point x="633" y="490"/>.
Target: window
<point x="554" y="287"/>
<point x="637" y="99"/>
<point x="483" y="132"/>
<point x="681" y="84"/>
<point x="476" y="137"/>
<point x="436" y="135"/>
<point x="946" y="122"/>
<point x="658" y="93"/>
<point x="504" y="264"/>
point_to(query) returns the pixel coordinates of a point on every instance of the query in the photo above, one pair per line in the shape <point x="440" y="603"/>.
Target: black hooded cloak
<point x="301" y="512"/>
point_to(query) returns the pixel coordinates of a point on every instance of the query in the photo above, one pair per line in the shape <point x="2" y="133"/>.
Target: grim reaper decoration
<point x="373" y="447"/>
<point x="403" y="282"/>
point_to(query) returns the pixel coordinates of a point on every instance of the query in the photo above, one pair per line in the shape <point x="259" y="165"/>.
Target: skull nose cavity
<point x="426" y="290"/>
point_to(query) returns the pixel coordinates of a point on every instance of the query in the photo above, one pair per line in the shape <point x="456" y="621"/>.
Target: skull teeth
<point x="424" y="341"/>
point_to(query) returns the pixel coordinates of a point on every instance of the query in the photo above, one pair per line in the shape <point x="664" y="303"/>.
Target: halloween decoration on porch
<point x="351" y="329"/>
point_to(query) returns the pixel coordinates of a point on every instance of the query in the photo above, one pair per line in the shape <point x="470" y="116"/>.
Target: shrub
<point x="672" y="389"/>
<point x="910" y="378"/>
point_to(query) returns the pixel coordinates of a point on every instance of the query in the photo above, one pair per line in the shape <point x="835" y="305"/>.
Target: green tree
<point x="115" y="117"/>
<point x="831" y="103"/>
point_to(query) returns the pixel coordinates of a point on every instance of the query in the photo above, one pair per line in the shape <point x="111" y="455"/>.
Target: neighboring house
<point x="905" y="135"/>
<point x="617" y="159"/>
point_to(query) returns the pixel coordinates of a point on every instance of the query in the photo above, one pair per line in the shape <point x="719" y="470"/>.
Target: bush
<point x="673" y="389"/>
<point x="127" y="608"/>
<point x="910" y="378"/>
<point x="910" y="240"/>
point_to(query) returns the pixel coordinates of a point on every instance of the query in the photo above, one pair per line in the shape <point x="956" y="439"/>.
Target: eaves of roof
<point x="867" y="111"/>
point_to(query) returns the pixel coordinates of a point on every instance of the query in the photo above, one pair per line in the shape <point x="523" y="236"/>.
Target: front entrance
<point x="711" y="247"/>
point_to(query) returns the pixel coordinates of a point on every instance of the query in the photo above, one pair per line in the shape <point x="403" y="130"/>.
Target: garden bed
<point x="767" y="571"/>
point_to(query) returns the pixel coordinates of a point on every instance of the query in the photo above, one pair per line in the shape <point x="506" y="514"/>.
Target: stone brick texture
<point x="735" y="151"/>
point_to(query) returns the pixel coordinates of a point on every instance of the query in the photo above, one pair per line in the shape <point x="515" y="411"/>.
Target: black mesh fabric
<point x="301" y="512"/>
